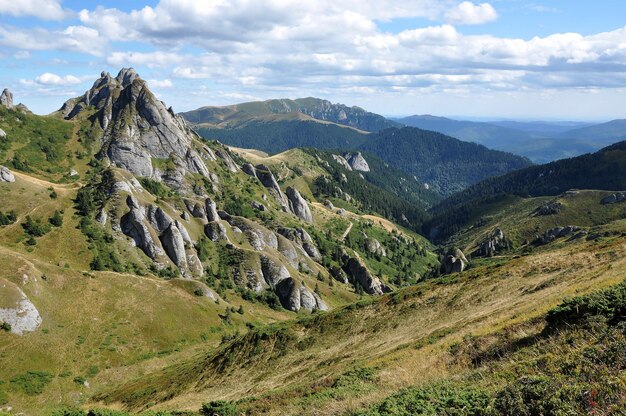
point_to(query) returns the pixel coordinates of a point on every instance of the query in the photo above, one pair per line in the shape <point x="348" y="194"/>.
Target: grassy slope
<point x="413" y="330"/>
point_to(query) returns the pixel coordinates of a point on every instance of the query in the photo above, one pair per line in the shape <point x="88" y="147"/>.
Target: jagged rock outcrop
<point x="454" y="261"/>
<point x="374" y="247"/>
<point x="293" y="294"/>
<point x="6" y="175"/>
<point x="228" y="160"/>
<point x="342" y="161"/>
<point x="329" y="205"/>
<point x="298" y="205"/>
<point x="265" y="175"/>
<point x="216" y="231"/>
<point x="494" y="243"/>
<point x="556" y="232"/>
<point x="6" y="99"/>
<point x="158" y="219"/>
<point x="174" y="246"/>
<point x="249" y="169"/>
<point x="135" y="226"/>
<point x="195" y="208"/>
<point x="357" y="270"/>
<point x="137" y="128"/>
<point x="614" y="198"/>
<point x="357" y="161"/>
<point x="548" y="208"/>
<point x="258" y="236"/>
<point x="210" y="208"/>
<point x="303" y="239"/>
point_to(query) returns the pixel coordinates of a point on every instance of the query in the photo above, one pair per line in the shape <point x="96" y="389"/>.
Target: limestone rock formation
<point x="342" y="161"/>
<point x="249" y="169"/>
<point x="135" y="226"/>
<point x="548" y="208"/>
<point x="2" y="134"/>
<point x="137" y="128"/>
<point x="174" y="246"/>
<point x="298" y="205"/>
<point x="6" y="175"/>
<point x="6" y="99"/>
<point x="210" y="208"/>
<point x="303" y="239"/>
<point x="22" y="315"/>
<point x="265" y="175"/>
<point x="614" y="198"/>
<point x="494" y="243"/>
<point x="374" y="247"/>
<point x="357" y="161"/>
<point x="228" y="160"/>
<point x="454" y="261"/>
<point x="556" y="232"/>
<point x="216" y="231"/>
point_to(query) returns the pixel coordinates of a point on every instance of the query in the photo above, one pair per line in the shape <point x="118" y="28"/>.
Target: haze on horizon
<point x="505" y="59"/>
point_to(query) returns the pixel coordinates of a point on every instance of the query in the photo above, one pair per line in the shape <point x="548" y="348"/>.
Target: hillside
<point x="603" y="134"/>
<point x="605" y="169"/>
<point x="151" y="217"/>
<point x="278" y="136"/>
<point x="446" y="164"/>
<point x="239" y="115"/>
<point x="541" y="142"/>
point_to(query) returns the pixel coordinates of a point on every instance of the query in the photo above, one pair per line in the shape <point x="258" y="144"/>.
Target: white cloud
<point x="43" y="9"/>
<point x="160" y="83"/>
<point x="48" y="78"/>
<point x="468" y="13"/>
<point x="73" y="38"/>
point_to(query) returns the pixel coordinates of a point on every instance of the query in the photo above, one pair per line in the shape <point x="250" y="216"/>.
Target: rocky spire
<point x="6" y="99"/>
<point x="137" y="128"/>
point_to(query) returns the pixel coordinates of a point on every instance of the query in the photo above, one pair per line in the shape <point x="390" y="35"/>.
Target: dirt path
<point x="41" y="182"/>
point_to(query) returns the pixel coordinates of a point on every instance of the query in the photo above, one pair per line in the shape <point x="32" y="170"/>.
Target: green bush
<point x="56" y="219"/>
<point x="157" y="189"/>
<point x="31" y="382"/>
<point x="609" y="303"/>
<point x="8" y="218"/>
<point x="219" y="408"/>
<point x="5" y="326"/>
<point x="35" y="228"/>
<point x="436" y="400"/>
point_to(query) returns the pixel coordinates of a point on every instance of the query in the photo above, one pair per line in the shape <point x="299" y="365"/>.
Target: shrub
<point x="56" y="219"/>
<point x="35" y="228"/>
<point x="157" y="189"/>
<point x="8" y="218"/>
<point x="31" y="382"/>
<point x="219" y="408"/>
<point x="5" y="326"/>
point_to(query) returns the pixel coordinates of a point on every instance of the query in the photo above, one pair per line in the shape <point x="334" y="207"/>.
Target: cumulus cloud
<point x="42" y="9"/>
<point x="73" y="38"/>
<point x="468" y="13"/>
<point x="160" y="83"/>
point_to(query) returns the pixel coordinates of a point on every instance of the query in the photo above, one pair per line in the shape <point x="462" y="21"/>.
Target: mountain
<point x="443" y="163"/>
<point x="605" y="170"/>
<point x="605" y="133"/>
<point x="234" y="116"/>
<point x="128" y="239"/>
<point x="539" y="141"/>
<point x="278" y="136"/>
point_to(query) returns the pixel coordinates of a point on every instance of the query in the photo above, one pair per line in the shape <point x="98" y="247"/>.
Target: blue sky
<point x="500" y="58"/>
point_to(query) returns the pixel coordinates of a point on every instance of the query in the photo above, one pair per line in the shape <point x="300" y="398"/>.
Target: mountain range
<point x="380" y="270"/>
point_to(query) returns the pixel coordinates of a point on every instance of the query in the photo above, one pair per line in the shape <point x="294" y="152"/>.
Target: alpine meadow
<point x="193" y="223"/>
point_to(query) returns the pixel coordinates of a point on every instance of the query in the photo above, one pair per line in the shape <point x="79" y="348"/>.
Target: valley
<point x="370" y="269"/>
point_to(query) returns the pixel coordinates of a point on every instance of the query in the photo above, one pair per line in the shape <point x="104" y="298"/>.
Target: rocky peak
<point x="6" y="99"/>
<point x="136" y="128"/>
<point x="357" y="161"/>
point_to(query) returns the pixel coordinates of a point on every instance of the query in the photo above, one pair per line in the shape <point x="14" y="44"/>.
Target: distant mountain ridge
<point x="238" y="115"/>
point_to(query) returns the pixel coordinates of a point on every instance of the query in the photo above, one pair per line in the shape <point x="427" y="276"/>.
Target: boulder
<point x="2" y="134"/>
<point x="298" y="205"/>
<point x="494" y="243"/>
<point x="210" y="208"/>
<point x="329" y="205"/>
<point x="374" y="247"/>
<point x="216" y="231"/>
<point x="6" y="175"/>
<point x="249" y="169"/>
<point x="357" y="161"/>
<point x="454" y="261"/>
<point x="295" y="295"/>
<point x="134" y="225"/>
<point x="357" y="270"/>
<point x="273" y="272"/>
<point x="258" y="236"/>
<point x="303" y="239"/>
<point x="158" y="219"/>
<point x="556" y="232"/>
<point x="6" y="99"/>
<point x="614" y="198"/>
<point x="174" y="247"/>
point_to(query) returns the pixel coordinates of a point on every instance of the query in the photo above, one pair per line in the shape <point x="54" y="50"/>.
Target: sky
<point x="511" y="59"/>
